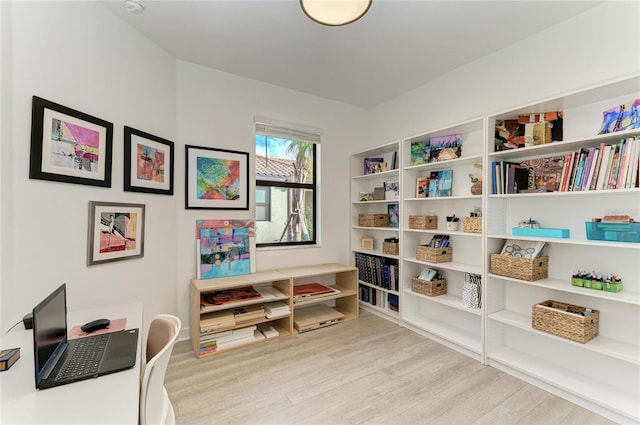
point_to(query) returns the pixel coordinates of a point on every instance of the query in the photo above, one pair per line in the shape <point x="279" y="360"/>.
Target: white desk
<point x="109" y="399"/>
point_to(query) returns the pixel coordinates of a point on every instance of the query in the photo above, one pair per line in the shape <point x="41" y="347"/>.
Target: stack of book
<point x="276" y="309"/>
<point x="248" y="313"/>
<point x="314" y="291"/>
<point x="228" y="339"/>
<point x="212" y="322"/>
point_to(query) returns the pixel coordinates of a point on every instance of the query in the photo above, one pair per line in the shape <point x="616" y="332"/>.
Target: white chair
<point x="155" y="406"/>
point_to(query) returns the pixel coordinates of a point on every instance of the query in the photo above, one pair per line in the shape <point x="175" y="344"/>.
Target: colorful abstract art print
<point x="216" y="179"/>
<point x="148" y="163"/>
<point x="225" y="248"/>
<point x="69" y="146"/>
<point x="116" y="232"/>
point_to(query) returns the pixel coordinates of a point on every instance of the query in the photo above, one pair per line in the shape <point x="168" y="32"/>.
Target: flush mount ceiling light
<point x="133" y="6"/>
<point x="335" y="12"/>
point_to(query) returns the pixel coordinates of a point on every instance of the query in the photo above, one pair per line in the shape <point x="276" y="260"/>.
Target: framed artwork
<point x="225" y="247"/>
<point x="216" y="179"/>
<point x="148" y="163"/>
<point x="116" y="232"/>
<point x="69" y="146"/>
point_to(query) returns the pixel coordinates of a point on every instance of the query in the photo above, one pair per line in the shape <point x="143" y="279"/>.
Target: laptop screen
<point x="49" y="332"/>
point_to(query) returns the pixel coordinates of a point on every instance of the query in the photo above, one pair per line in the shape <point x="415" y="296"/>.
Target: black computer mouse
<point x="95" y="325"/>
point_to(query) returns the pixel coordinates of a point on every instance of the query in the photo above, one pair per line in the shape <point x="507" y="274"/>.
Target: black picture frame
<point x="148" y="163"/>
<point x="205" y="170"/>
<point x="69" y="146"/>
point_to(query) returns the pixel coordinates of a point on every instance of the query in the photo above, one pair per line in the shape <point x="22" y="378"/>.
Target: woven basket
<point x="520" y="268"/>
<point x="373" y="220"/>
<point x="390" y="248"/>
<point x="433" y="255"/>
<point x="472" y="224"/>
<point x="430" y="288"/>
<point x="553" y="317"/>
<point x="423" y="222"/>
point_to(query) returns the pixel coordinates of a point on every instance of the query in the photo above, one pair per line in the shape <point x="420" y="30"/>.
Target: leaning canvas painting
<point x="225" y="247"/>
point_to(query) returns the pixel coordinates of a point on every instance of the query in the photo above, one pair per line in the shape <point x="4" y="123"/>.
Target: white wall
<point x="80" y="55"/>
<point x="599" y="45"/>
<point x="216" y="109"/>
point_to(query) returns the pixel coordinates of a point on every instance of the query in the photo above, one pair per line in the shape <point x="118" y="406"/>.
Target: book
<point x="422" y="187"/>
<point x="248" y="313"/>
<point x="374" y="165"/>
<point x="391" y="189"/>
<point x="419" y="153"/>
<point x="8" y="357"/>
<point x="229" y="296"/>
<point x="443" y="148"/>
<point x="312" y="289"/>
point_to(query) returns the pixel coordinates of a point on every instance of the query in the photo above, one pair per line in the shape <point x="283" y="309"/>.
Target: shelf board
<point x="443" y="232"/>
<point x="461" y="267"/>
<point x="565" y="286"/>
<point x="380" y="311"/>
<point x="600" y="344"/>
<point x="599" y="393"/>
<point x="444" y="198"/>
<point x="379" y="201"/>
<point x="322" y="269"/>
<point x="267" y="296"/>
<point x="386" y="229"/>
<point x="440" y="165"/>
<point x="344" y="292"/>
<point x="620" y="192"/>
<point x="447" y="332"/>
<point x="568" y="241"/>
<point x="376" y="252"/>
<point x="209" y="285"/>
<point x="550" y="149"/>
<point x="371" y="285"/>
<point x="446" y="299"/>
<point x="388" y="173"/>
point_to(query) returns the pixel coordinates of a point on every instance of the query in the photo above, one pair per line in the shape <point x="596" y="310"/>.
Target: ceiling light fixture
<point x="133" y="6"/>
<point x="335" y="12"/>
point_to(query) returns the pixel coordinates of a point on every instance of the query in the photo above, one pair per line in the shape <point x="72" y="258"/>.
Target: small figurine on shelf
<point x="476" y="185"/>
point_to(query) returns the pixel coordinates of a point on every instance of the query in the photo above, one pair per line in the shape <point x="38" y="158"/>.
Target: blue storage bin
<point x="545" y="232"/>
<point x="618" y="232"/>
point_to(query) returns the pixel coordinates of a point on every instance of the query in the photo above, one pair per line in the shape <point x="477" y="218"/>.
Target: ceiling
<point x="397" y="46"/>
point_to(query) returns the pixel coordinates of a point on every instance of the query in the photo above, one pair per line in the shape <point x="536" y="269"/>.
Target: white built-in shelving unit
<point x="362" y="182"/>
<point x="602" y="374"/>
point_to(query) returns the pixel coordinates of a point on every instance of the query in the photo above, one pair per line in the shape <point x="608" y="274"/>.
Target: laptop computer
<point x="59" y="361"/>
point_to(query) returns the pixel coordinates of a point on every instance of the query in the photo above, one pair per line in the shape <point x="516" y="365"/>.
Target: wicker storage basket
<point x="433" y="255"/>
<point x="520" y="268"/>
<point x="373" y="220"/>
<point x="430" y="288"/>
<point x="390" y="248"/>
<point x="472" y="224"/>
<point x="564" y="320"/>
<point x="423" y="222"/>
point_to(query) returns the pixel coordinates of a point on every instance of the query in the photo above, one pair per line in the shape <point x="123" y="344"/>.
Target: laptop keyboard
<point x="85" y="359"/>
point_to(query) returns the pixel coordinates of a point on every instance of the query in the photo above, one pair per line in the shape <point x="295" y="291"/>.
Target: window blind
<point x="285" y="130"/>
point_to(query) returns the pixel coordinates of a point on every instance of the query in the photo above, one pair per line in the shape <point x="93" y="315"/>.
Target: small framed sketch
<point x="69" y="146"/>
<point x="216" y="179"/>
<point x="148" y="163"/>
<point x="116" y="232"/>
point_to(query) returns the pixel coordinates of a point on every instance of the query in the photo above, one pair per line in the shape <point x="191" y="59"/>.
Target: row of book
<point x="602" y="167"/>
<point x="378" y="271"/>
<point x="233" y="317"/>
<point x="232" y="338"/>
<point x="379" y="299"/>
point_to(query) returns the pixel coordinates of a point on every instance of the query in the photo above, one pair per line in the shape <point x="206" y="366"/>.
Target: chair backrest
<point x="154" y="403"/>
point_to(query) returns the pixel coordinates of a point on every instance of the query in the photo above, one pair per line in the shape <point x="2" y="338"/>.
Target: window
<point x="286" y="190"/>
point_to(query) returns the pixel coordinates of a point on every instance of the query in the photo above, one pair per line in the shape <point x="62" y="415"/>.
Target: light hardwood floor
<point x="364" y="371"/>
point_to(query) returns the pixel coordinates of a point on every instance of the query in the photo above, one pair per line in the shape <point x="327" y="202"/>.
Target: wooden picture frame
<point x="148" y="163"/>
<point x="69" y="146"/>
<point x="216" y="179"/>
<point x="116" y="232"/>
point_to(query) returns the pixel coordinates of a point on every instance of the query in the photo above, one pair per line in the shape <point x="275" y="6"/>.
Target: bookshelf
<point x="376" y="294"/>
<point x="602" y="374"/>
<point x="444" y="318"/>
<point x="275" y="288"/>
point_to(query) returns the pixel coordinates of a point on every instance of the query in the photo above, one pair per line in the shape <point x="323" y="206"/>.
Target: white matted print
<point x="116" y="232"/>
